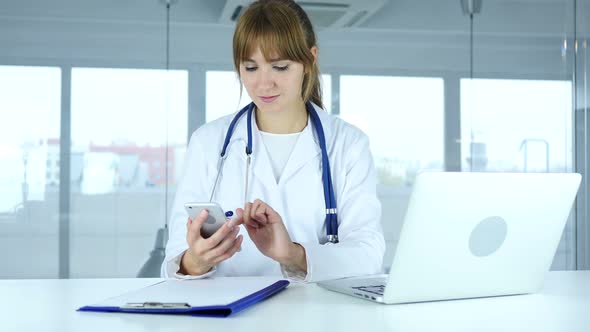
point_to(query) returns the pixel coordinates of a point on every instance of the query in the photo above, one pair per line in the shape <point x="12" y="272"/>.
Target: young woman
<point x="275" y="173"/>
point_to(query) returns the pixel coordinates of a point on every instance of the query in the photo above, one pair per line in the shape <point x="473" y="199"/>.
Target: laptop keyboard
<point x="378" y="289"/>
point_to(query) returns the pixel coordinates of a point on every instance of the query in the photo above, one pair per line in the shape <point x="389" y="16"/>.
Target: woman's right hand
<point x="204" y="253"/>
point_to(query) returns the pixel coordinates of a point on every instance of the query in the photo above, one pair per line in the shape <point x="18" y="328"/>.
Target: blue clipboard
<point x="218" y="297"/>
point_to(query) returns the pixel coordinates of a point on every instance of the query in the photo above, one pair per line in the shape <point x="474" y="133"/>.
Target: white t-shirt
<point x="279" y="148"/>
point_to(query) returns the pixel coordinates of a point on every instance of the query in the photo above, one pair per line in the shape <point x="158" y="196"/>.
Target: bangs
<point x="282" y="31"/>
<point x="270" y="43"/>
<point x="277" y="34"/>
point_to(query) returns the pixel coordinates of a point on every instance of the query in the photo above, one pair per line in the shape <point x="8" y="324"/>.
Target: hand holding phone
<point x="218" y="239"/>
<point x="214" y="221"/>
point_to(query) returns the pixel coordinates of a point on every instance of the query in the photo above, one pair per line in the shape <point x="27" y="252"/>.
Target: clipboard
<point x="217" y="297"/>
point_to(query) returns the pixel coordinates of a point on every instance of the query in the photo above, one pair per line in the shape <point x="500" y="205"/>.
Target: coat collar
<point x="305" y="150"/>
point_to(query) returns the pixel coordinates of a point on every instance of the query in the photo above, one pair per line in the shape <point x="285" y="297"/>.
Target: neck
<point x="286" y="122"/>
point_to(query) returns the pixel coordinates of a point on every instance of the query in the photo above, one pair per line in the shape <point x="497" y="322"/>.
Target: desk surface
<point x="50" y="305"/>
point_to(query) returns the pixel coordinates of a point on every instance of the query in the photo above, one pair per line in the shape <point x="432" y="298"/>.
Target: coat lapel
<point x="308" y="148"/>
<point x="261" y="166"/>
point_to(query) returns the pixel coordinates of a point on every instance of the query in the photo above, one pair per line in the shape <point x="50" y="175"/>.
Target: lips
<point x="268" y="99"/>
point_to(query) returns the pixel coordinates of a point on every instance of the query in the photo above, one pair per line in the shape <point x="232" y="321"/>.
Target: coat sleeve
<point x="194" y="185"/>
<point x="361" y="244"/>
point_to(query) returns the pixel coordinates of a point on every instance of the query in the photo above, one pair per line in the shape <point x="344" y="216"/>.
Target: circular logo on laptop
<point x="488" y="236"/>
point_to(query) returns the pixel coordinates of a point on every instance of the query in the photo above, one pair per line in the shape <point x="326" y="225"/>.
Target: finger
<point x="261" y="214"/>
<point x="250" y="214"/>
<point x="239" y="219"/>
<point x="255" y="215"/>
<point x="270" y="214"/>
<point x="242" y="214"/>
<point x="246" y="213"/>
<point x="215" y="239"/>
<point x="198" y="222"/>
<point x="254" y="223"/>
<point x="224" y="246"/>
<point x="254" y="208"/>
<point x="190" y="236"/>
<point x="252" y="230"/>
<point x="235" y="248"/>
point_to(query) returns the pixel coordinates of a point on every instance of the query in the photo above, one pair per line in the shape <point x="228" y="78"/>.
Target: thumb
<point x="239" y="219"/>
<point x="194" y="229"/>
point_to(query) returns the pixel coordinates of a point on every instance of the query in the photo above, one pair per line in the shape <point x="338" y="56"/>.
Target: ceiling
<point x="538" y="17"/>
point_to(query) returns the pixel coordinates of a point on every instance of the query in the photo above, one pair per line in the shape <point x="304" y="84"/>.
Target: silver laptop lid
<point x="479" y="234"/>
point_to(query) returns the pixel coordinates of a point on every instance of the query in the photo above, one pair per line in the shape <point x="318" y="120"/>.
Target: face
<point x="274" y="86"/>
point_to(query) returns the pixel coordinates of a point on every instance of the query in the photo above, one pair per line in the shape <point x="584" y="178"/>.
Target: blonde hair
<point x="280" y="28"/>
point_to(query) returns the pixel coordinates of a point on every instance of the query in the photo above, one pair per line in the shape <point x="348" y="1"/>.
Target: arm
<point x="188" y="187"/>
<point x="194" y="185"/>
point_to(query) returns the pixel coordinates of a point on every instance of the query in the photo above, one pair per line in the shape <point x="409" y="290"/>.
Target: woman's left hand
<point x="268" y="232"/>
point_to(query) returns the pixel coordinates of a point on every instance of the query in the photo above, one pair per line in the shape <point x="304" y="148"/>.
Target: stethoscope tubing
<point x="329" y="197"/>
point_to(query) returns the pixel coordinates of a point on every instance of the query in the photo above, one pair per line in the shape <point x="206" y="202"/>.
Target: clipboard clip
<point x="156" y="305"/>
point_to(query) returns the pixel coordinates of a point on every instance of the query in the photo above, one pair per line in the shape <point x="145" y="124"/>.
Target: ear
<point x="314" y="52"/>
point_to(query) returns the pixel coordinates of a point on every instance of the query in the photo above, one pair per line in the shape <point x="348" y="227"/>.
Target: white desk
<point x="50" y="305"/>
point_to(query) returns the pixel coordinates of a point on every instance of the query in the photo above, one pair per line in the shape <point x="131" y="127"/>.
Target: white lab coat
<point x="298" y="198"/>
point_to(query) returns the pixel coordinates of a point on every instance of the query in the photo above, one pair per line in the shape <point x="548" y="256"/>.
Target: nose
<point x="266" y="79"/>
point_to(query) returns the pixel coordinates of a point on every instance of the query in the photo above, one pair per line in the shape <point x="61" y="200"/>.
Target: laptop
<point x="468" y="235"/>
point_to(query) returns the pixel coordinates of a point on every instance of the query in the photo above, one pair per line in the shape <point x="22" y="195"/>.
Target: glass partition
<point x="29" y="178"/>
<point x="128" y="136"/>
<point x="404" y="119"/>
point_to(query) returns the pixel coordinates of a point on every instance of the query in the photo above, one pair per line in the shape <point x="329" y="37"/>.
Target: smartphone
<point x="214" y="221"/>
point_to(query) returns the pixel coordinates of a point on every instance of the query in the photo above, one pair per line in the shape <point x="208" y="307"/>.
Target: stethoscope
<point x="329" y="197"/>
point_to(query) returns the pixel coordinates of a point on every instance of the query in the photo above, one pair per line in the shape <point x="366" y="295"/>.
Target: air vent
<point x="323" y="13"/>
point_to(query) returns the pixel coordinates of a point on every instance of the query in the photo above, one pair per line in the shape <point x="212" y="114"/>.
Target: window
<point x="29" y="128"/>
<point x="223" y="94"/>
<point x="516" y="125"/>
<point x="403" y="117"/>
<point x="119" y="143"/>
<point x="519" y="126"/>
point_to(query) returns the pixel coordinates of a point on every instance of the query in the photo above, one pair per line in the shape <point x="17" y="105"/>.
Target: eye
<point x="281" y="68"/>
<point x="250" y="68"/>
